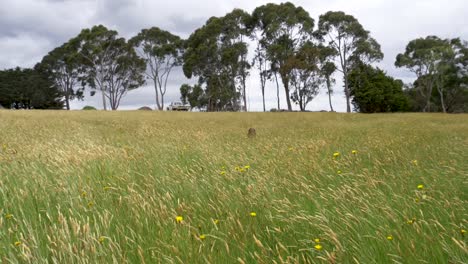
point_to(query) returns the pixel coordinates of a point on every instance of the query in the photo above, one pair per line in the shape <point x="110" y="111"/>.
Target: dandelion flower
<point x="420" y="187"/>
<point x="390" y="237"/>
<point x="336" y="155"/>
<point x="317" y="240"/>
<point x="179" y="219"/>
<point x="202" y="237"/>
<point x="354" y="152"/>
<point x="318" y="247"/>
<point x="18" y="243"/>
<point x="253" y="214"/>
<point x="247" y="167"/>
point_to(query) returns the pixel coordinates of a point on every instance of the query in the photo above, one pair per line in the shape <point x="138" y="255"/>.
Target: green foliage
<point x="29" y="89"/>
<point x="351" y="42"/>
<point x="193" y="95"/>
<point x="88" y="107"/>
<point x="110" y="64"/>
<point x="216" y="53"/>
<point x="440" y="67"/>
<point x="162" y="51"/>
<point x="283" y="29"/>
<point x="375" y="92"/>
<point x="63" y="65"/>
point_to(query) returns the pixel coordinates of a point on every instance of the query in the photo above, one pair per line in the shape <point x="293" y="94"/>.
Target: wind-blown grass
<point x="102" y="187"/>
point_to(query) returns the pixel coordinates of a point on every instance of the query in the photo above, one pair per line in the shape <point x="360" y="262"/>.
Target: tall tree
<point x="305" y="77"/>
<point x="110" y="64"/>
<point x="216" y="53"/>
<point x="260" y="60"/>
<point x="63" y="66"/>
<point x="283" y="28"/>
<point x="327" y="71"/>
<point x="422" y="56"/>
<point x="351" y="42"/>
<point x="162" y="52"/>
<point x="29" y="89"/>
<point x="374" y="92"/>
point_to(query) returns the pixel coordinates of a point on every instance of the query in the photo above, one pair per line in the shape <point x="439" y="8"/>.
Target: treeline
<point x="290" y="49"/>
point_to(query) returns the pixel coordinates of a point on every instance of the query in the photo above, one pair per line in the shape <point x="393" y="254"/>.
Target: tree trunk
<point x="67" y="100"/>
<point x="263" y="97"/>
<point x="245" y="94"/>
<point x="348" y="103"/>
<point x="286" y="91"/>
<point x="329" y="95"/>
<point x="104" y="100"/>
<point x="277" y="92"/>
<point x="441" y="93"/>
<point x="158" y="105"/>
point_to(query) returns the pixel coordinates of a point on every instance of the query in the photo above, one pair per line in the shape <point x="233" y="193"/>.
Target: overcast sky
<point x="29" y="29"/>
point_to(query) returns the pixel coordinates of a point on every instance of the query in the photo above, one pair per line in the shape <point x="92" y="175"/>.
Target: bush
<point x="145" y="108"/>
<point x="88" y="107"/>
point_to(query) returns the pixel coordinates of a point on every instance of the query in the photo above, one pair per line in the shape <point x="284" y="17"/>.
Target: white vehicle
<point x="178" y="106"/>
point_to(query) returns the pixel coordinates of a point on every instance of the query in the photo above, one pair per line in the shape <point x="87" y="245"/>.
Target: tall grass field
<point x="149" y="187"/>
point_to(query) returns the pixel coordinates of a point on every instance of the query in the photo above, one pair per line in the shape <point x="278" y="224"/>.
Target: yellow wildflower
<point x="222" y="173"/>
<point x="253" y="214"/>
<point x="202" y="237"/>
<point x="390" y="237"/>
<point x="463" y="232"/>
<point x="8" y="216"/>
<point x="216" y="221"/>
<point x="18" y="243"/>
<point x="354" y="152"/>
<point x="318" y="247"/>
<point x="420" y="186"/>
<point x="179" y="219"/>
<point x="415" y="162"/>
<point x="336" y="155"/>
<point x="90" y="204"/>
<point x="317" y="240"/>
<point x="83" y="194"/>
<point x="101" y="239"/>
<point x="247" y="167"/>
<point x="411" y="221"/>
<point x="339" y="172"/>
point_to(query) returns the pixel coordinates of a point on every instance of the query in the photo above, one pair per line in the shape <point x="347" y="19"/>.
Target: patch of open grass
<point x="103" y="187"/>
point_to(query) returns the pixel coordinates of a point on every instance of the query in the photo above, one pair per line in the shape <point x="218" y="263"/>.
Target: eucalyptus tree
<point x="109" y="63"/>
<point x="351" y="42"/>
<point x="427" y="58"/>
<point x="216" y="53"/>
<point x="328" y="69"/>
<point x="62" y="64"/>
<point x="283" y="28"/>
<point x="306" y="76"/>
<point x="162" y="52"/>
